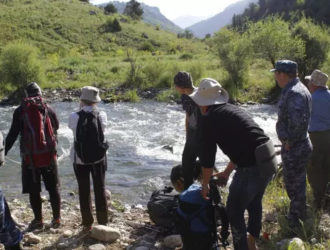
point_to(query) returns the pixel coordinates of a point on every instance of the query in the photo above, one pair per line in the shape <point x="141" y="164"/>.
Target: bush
<point x="131" y="96"/>
<point x="186" y="56"/>
<point x="110" y="9"/>
<point x="19" y="65"/>
<point x="146" y="46"/>
<point x="112" y="25"/>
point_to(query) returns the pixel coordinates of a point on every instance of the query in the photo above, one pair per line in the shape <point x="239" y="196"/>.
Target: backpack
<point x="2" y="150"/>
<point x="162" y="207"/>
<point x="39" y="140"/>
<point x="89" y="143"/>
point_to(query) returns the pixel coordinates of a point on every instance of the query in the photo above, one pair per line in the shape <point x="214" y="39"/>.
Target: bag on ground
<point x="90" y="145"/>
<point x="162" y="207"/>
<point x="196" y="221"/>
<point x="39" y="140"/>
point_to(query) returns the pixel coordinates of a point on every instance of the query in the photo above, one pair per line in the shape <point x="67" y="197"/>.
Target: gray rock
<point x="296" y="244"/>
<point x="67" y="233"/>
<point x="31" y="238"/>
<point x="173" y="241"/>
<point x="104" y="233"/>
<point x="97" y="247"/>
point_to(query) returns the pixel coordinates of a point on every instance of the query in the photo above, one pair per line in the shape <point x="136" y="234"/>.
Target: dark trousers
<point x="245" y="193"/>
<point x="189" y="156"/>
<point x="32" y="184"/>
<point x="83" y="173"/>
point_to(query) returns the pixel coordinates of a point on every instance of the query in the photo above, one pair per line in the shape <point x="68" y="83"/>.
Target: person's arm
<point x="53" y="119"/>
<point x="224" y="175"/>
<point x="14" y="130"/>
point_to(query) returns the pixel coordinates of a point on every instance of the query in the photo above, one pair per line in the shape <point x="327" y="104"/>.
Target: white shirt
<point x="73" y="122"/>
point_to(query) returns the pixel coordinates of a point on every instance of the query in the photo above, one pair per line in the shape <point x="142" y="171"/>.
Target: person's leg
<point x="82" y="173"/>
<point x="36" y="205"/>
<point x="98" y="174"/>
<point x="189" y="156"/>
<point x="50" y="178"/>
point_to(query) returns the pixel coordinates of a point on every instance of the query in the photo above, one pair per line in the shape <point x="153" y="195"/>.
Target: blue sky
<point x="176" y="8"/>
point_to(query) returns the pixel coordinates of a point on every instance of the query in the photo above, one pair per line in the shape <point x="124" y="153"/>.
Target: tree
<point x="110" y="9"/>
<point x="112" y="25"/>
<point x="234" y="52"/>
<point x="133" y="9"/>
<point x="272" y="40"/>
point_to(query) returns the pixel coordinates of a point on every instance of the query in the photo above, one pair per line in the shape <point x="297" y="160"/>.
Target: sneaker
<point x="56" y="223"/>
<point x="35" y="225"/>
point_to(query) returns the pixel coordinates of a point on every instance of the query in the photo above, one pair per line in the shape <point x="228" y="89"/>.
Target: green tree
<point x="110" y="9"/>
<point x="19" y="65"/>
<point x="112" y="25"/>
<point x="234" y="52"/>
<point x="272" y="39"/>
<point x="133" y="9"/>
<point x="317" y="44"/>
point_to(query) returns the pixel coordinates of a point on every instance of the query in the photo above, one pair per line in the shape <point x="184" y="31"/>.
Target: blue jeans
<point x="245" y="193"/>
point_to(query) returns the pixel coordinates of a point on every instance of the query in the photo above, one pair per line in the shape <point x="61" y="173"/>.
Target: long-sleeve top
<point x="294" y="110"/>
<point x="73" y="122"/>
<point x="17" y="127"/>
<point x="234" y="131"/>
<point x="320" y="118"/>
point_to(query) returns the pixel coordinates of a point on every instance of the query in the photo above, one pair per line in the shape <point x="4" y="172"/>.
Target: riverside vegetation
<point x="70" y="44"/>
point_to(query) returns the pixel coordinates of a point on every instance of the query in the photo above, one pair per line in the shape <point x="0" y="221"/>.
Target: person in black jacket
<point x="31" y="177"/>
<point x="240" y="138"/>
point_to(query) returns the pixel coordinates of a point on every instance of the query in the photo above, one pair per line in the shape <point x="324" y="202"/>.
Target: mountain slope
<point x="151" y="15"/>
<point x="220" y="20"/>
<point x="186" y="21"/>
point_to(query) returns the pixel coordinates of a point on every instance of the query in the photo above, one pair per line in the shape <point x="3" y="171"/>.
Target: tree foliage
<point x="234" y="52"/>
<point x="112" y="25"/>
<point x="133" y="9"/>
<point x="19" y="65"/>
<point x="110" y="9"/>
<point x="272" y="39"/>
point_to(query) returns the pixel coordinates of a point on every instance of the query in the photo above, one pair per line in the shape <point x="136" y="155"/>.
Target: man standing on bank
<point x="294" y="110"/>
<point x="37" y="123"/>
<point x="318" y="170"/>
<point x="251" y="154"/>
<point x="88" y="155"/>
<point x="184" y="86"/>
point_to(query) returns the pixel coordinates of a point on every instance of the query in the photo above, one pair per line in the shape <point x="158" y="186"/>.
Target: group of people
<point x="36" y="124"/>
<point x="211" y="122"/>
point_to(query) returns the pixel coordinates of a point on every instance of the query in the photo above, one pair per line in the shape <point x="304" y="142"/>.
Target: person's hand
<point x="205" y="191"/>
<point x="222" y="178"/>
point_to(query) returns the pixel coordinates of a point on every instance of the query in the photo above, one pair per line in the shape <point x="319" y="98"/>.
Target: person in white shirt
<point x="88" y="155"/>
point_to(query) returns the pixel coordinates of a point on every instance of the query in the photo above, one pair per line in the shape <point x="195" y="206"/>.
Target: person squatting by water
<point x="184" y="85"/>
<point x="294" y="110"/>
<point x="88" y="155"/>
<point x="26" y="122"/>
<point x="318" y="169"/>
<point x="245" y="143"/>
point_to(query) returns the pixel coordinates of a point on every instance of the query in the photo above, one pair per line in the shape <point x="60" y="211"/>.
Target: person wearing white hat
<point x="239" y="137"/>
<point x="318" y="169"/>
<point x="88" y="155"/>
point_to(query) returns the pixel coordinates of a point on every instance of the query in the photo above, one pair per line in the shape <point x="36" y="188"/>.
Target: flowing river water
<point x="138" y="163"/>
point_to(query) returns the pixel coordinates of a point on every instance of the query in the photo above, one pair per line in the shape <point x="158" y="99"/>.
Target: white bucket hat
<point x="209" y="92"/>
<point x="91" y="94"/>
<point x="318" y="78"/>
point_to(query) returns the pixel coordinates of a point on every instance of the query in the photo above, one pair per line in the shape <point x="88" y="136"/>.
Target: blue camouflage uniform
<point x="294" y="111"/>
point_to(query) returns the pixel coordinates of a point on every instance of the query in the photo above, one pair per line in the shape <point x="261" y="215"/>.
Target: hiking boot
<point x="56" y="223"/>
<point x="35" y="225"/>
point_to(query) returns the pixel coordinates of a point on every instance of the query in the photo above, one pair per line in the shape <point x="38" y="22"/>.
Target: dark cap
<point x="183" y="80"/>
<point x="32" y="89"/>
<point x="285" y="66"/>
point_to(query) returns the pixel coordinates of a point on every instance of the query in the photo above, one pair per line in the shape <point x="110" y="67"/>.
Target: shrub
<point x="19" y="65"/>
<point x="133" y="9"/>
<point x="112" y="25"/>
<point x="131" y="96"/>
<point x="110" y="9"/>
<point x="186" y="56"/>
<point x="146" y="46"/>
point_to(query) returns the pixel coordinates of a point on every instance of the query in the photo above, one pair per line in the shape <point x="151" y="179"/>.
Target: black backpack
<point x="162" y="208"/>
<point x="89" y="144"/>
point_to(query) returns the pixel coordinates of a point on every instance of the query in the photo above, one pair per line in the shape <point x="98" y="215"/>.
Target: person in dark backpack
<point x="37" y="123"/>
<point x="88" y="155"/>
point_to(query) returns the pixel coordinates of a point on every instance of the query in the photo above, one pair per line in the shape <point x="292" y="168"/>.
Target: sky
<point x="176" y="8"/>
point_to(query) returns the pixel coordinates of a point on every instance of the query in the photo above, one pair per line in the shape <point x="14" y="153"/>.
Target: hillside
<point x="186" y="21"/>
<point x="151" y="15"/>
<point x="215" y="23"/>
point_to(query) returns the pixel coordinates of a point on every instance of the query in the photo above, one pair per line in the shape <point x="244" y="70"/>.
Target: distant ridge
<point x="213" y="24"/>
<point x="151" y="15"/>
<point x="186" y="21"/>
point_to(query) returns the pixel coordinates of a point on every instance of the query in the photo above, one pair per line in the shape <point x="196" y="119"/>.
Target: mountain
<point x="186" y="21"/>
<point x="213" y="24"/>
<point x="151" y="15"/>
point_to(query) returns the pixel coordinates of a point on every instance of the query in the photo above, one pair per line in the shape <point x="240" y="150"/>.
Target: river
<point x="137" y="133"/>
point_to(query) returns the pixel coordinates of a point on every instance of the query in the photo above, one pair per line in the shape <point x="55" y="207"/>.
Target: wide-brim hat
<point x="209" y="92"/>
<point x="318" y="78"/>
<point x="91" y="94"/>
